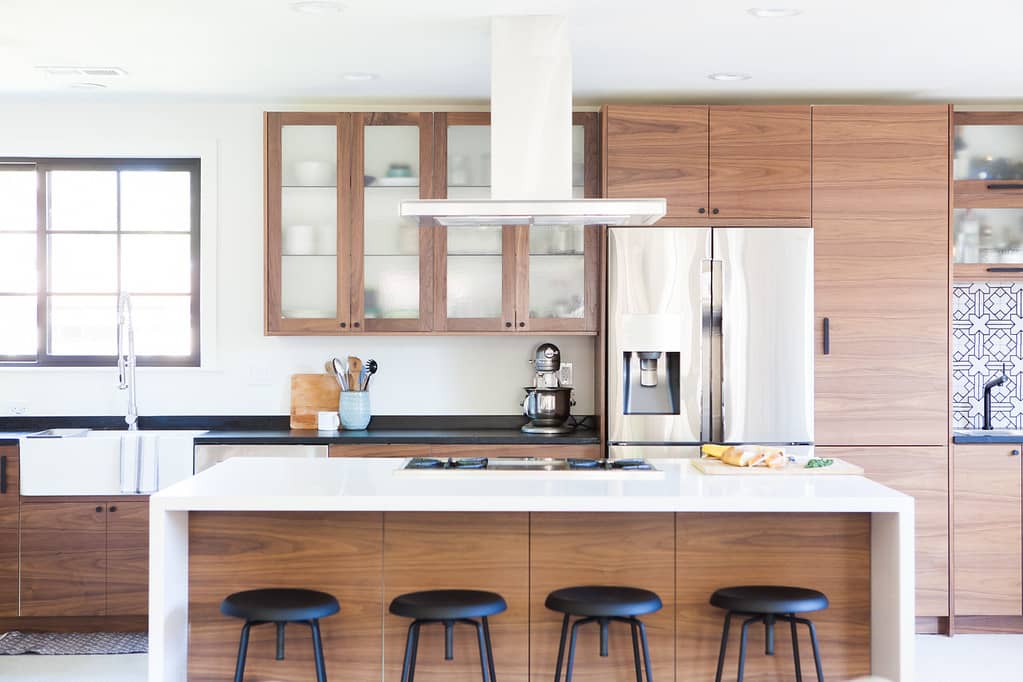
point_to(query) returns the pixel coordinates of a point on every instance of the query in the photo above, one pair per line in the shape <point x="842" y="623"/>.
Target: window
<point x="74" y="233"/>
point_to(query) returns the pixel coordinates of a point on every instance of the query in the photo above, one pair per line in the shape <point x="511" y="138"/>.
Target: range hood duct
<point x="531" y="140"/>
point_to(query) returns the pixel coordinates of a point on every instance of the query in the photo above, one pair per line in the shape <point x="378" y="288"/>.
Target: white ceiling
<point x="438" y="50"/>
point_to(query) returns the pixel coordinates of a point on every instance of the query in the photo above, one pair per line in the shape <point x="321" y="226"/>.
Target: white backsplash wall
<point x="987" y="334"/>
<point x="245" y="372"/>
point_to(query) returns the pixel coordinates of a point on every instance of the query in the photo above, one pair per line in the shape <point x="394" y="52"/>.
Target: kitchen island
<point x="358" y="529"/>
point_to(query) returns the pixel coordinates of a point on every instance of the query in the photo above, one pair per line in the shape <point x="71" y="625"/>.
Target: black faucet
<point x="997" y="381"/>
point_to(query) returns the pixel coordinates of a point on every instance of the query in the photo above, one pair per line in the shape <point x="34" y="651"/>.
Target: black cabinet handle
<point x="1008" y="269"/>
<point x="522" y="324"/>
<point x="507" y="324"/>
<point x="343" y="325"/>
<point x="355" y="324"/>
<point x="1005" y="185"/>
<point x="113" y="508"/>
<point x="99" y="510"/>
<point x="715" y="211"/>
<point x="701" y="210"/>
<point x="3" y="475"/>
<point x="827" y="336"/>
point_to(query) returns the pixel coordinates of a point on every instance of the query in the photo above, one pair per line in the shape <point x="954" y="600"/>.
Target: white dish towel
<point x="140" y="470"/>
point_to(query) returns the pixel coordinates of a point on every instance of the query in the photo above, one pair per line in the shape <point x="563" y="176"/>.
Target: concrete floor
<point x="965" y="658"/>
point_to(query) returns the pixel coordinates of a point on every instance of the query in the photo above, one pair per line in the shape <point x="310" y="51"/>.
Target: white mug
<point x="328" y="421"/>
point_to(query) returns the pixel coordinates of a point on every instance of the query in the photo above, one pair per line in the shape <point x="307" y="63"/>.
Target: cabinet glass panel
<point x="557" y="283"/>
<point x="390" y="243"/>
<point x="988" y="235"/>
<point x="474" y="272"/>
<point x="988" y="152"/>
<point x="309" y="223"/>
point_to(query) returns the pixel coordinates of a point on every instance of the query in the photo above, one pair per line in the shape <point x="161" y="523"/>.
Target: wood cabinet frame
<point x="9" y="521"/>
<point x="359" y="322"/>
<point x="985" y="194"/>
<point x="275" y="322"/>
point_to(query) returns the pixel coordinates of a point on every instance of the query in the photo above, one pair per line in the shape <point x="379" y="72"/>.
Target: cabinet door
<point x="923" y="474"/>
<point x="659" y="152"/>
<point x="128" y="558"/>
<point x="987" y="526"/>
<point x="63" y="559"/>
<point x="8" y="531"/>
<point x="880" y="217"/>
<point x="392" y="258"/>
<point x="308" y="175"/>
<point x="760" y="162"/>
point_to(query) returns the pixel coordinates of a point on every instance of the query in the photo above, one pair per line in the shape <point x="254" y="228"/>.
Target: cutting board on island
<point x="715" y="467"/>
<point x="312" y="393"/>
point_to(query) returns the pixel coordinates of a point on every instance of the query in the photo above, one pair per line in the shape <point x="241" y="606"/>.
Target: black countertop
<point x="384" y="429"/>
<point x="993" y="437"/>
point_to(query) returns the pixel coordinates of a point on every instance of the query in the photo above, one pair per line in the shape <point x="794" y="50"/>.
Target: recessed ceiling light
<point x="729" y="76"/>
<point x="360" y="76"/>
<point x="88" y="86"/>
<point x="316" y="6"/>
<point x="773" y="12"/>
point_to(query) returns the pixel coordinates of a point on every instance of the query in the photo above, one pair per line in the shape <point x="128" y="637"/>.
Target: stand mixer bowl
<point x="547" y="408"/>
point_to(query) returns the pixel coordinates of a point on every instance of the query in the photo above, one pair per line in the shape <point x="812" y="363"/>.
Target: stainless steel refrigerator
<point x="710" y="339"/>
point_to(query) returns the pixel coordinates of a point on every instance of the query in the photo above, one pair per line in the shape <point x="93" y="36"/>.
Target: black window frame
<point x="42" y="166"/>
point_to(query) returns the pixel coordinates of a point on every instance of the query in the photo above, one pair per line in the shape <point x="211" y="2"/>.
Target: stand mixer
<point x="548" y="402"/>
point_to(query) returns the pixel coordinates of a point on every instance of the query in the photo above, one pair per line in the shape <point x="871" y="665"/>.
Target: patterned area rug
<point x="64" y="644"/>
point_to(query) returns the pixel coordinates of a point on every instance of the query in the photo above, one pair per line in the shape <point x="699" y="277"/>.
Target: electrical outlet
<point x="565" y="376"/>
<point x="17" y="408"/>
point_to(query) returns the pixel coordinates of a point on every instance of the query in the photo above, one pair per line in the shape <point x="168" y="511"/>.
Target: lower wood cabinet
<point x="8" y="531"/>
<point x="84" y="558"/>
<point x="923" y="474"/>
<point x="988" y="527"/>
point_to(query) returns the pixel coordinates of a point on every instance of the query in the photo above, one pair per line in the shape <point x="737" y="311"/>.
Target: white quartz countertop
<point x="354" y="484"/>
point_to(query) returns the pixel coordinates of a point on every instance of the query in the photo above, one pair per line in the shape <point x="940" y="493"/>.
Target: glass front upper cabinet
<point x="988" y="195"/>
<point x="394" y="159"/>
<point x="305" y="237"/>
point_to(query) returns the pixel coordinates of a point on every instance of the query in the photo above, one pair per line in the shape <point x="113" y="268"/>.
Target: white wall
<point x="247" y="373"/>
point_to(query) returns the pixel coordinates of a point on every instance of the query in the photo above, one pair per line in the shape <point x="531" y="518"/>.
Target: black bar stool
<point x="596" y="604"/>
<point x="767" y="604"/>
<point x="280" y="607"/>
<point x="448" y="607"/>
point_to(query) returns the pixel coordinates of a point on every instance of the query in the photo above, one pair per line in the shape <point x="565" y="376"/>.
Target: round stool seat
<point x="603" y="602"/>
<point x="280" y="605"/>
<point x="770" y="599"/>
<point x="448" y="604"/>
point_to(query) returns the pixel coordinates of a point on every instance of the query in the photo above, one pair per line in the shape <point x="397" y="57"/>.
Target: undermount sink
<point x="84" y="462"/>
<point x="993" y="433"/>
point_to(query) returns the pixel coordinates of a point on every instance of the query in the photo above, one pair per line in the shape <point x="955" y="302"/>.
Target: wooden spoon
<point x="354" y="370"/>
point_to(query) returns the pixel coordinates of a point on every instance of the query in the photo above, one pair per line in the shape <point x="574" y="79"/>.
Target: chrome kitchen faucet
<point x="126" y="358"/>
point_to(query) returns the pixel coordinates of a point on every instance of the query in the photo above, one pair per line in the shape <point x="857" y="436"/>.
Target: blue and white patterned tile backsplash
<point x="987" y="334"/>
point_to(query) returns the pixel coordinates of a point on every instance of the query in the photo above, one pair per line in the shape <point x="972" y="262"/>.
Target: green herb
<point x="819" y="462"/>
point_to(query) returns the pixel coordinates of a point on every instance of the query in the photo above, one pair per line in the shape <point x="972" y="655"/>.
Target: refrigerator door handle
<point x="711" y="351"/>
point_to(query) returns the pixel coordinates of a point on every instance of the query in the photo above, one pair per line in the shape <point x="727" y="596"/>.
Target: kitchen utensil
<point x="548" y="409"/>
<point x="327" y="421"/>
<point x="341" y="372"/>
<point x="371" y="369"/>
<point x="354" y="370"/>
<point x="715" y="467"/>
<point x="311" y="394"/>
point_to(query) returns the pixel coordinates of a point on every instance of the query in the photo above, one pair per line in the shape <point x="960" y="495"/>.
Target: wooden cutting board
<point x="312" y="393"/>
<point x="715" y="467"/>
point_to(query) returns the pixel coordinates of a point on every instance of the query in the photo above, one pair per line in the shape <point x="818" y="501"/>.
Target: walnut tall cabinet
<point x="882" y="277"/>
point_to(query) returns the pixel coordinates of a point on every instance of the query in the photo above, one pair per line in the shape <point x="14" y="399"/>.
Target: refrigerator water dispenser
<point x="652" y="381"/>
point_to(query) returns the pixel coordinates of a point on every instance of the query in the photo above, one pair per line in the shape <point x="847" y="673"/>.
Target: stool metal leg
<point x="484" y="663"/>
<point x="769" y="634"/>
<point x="490" y="648"/>
<point x="724" y="647"/>
<point x="795" y="648"/>
<point x="243" y="648"/>
<point x="571" y="647"/>
<point x="816" y="649"/>
<point x="411" y="649"/>
<point x="280" y="640"/>
<point x="635" y="650"/>
<point x="561" y="649"/>
<point x="321" y="668"/>
<point x="646" y="650"/>
<point x="449" y="640"/>
<point x="742" y="645"/>
<point x="603" y="635"/>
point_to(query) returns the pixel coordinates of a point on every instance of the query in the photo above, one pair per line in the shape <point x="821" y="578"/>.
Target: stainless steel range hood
<point x="531" y="140"/>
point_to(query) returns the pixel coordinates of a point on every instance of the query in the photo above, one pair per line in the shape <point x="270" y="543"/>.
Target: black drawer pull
<point x="1010" y="269"/>
<point x="3" y="475"/>
<point x="827" y="336"/>
<point x="99" y="510"/>
<point x="113" y="508"/>
<point x="1005" y="185"/>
